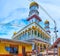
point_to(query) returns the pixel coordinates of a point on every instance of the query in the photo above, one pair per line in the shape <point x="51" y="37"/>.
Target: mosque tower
<point x="34" y="13"/>
<point x="47" y="28"/>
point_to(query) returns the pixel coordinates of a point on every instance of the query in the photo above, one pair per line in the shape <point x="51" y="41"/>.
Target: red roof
<point x="56" y="42"/>
<point x="34" y="16"/>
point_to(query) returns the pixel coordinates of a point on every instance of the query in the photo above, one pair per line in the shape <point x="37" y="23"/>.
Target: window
<point x="44" y="46"/>
<point x="7" y="49"/>
<point x="33" y="8"/>
<point x="29" y="33"/>
<point x="35" y="32"/>
<point x="32" y="31"/>
<point x="13" y="50"/>
<point x="41" y="34"/>
<point x="38" y="34"/>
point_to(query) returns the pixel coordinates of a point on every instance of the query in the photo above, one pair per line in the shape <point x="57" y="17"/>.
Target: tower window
<point x="38" y="34"/>
<point x="35" y="32"/>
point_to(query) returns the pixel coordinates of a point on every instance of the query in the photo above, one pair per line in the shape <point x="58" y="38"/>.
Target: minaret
<point x="33" y="13"/>
<point x="34" y="9"/>
<point x="47" y="28"/>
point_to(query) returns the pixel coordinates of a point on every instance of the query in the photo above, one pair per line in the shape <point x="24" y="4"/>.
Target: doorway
<point x="23" y="51"/>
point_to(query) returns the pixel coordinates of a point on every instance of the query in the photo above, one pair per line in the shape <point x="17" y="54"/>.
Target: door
<point x="23" y="51"/>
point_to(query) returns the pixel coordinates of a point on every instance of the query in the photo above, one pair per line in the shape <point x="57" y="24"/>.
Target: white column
<point x="33" y="46"/>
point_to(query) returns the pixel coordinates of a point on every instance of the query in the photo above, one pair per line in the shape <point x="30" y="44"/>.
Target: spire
<point x="46" y="22"/>
<point x="34" y="4"/>
<point x="33" y="8"/>
<point x="15" y="33"/>
<point x="33" y="13"/>
<point x="47" y="28"/>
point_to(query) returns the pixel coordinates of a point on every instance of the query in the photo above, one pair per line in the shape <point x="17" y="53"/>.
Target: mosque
<point x="33" y="32"/>
<point x="32" y="37"/>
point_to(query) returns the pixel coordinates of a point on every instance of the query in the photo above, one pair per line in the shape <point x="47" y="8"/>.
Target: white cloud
<point x="18" y="13"/>
<point x="18" y="9"/>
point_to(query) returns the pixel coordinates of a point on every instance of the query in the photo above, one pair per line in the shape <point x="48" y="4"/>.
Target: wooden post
<point x="59" y="49"/>
<point x="47" y="50"/>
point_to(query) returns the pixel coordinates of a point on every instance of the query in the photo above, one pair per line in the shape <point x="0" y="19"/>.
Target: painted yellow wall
<point x="20" y="49"/>
<point x="2" y="48"/>
<point x="59" y="51"/>
<point x="28" y="48"/>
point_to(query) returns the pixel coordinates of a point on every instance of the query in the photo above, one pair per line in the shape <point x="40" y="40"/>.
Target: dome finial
<point x="46" y="21"/>
<point x="33" y="3"/>
<point x="15" y="33"/>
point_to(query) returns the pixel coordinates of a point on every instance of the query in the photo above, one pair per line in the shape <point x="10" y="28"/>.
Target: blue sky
<point x="13" y="13"/>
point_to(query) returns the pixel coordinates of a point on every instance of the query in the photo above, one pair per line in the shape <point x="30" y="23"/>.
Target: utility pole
<point x="55" y="30"/>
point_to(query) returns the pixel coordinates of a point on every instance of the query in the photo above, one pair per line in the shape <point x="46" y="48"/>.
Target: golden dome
<point x="34" y="3"/>
<point x="46" y="21"/>
<point x="15" y="33"/>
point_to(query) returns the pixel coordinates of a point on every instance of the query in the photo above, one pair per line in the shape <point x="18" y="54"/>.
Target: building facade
<point x="34" y="32"/>
<point x="14" y="48"/>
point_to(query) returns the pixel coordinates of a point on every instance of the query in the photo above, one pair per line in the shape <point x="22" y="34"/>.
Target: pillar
<point x="33" y="46"/>
<point x="42" y="47"/>
<point x="38" y="47"/>
<point x="47" y="50"/>
<point x="59" y="49"/>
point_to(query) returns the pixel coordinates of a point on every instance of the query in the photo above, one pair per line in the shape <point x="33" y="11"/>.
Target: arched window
<point x="38" y="34"/>
<point x="32" y="32"/>
<point x="41" y="35"/>
<point x="35" y="32"/>
<point x="29" y="33"/>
